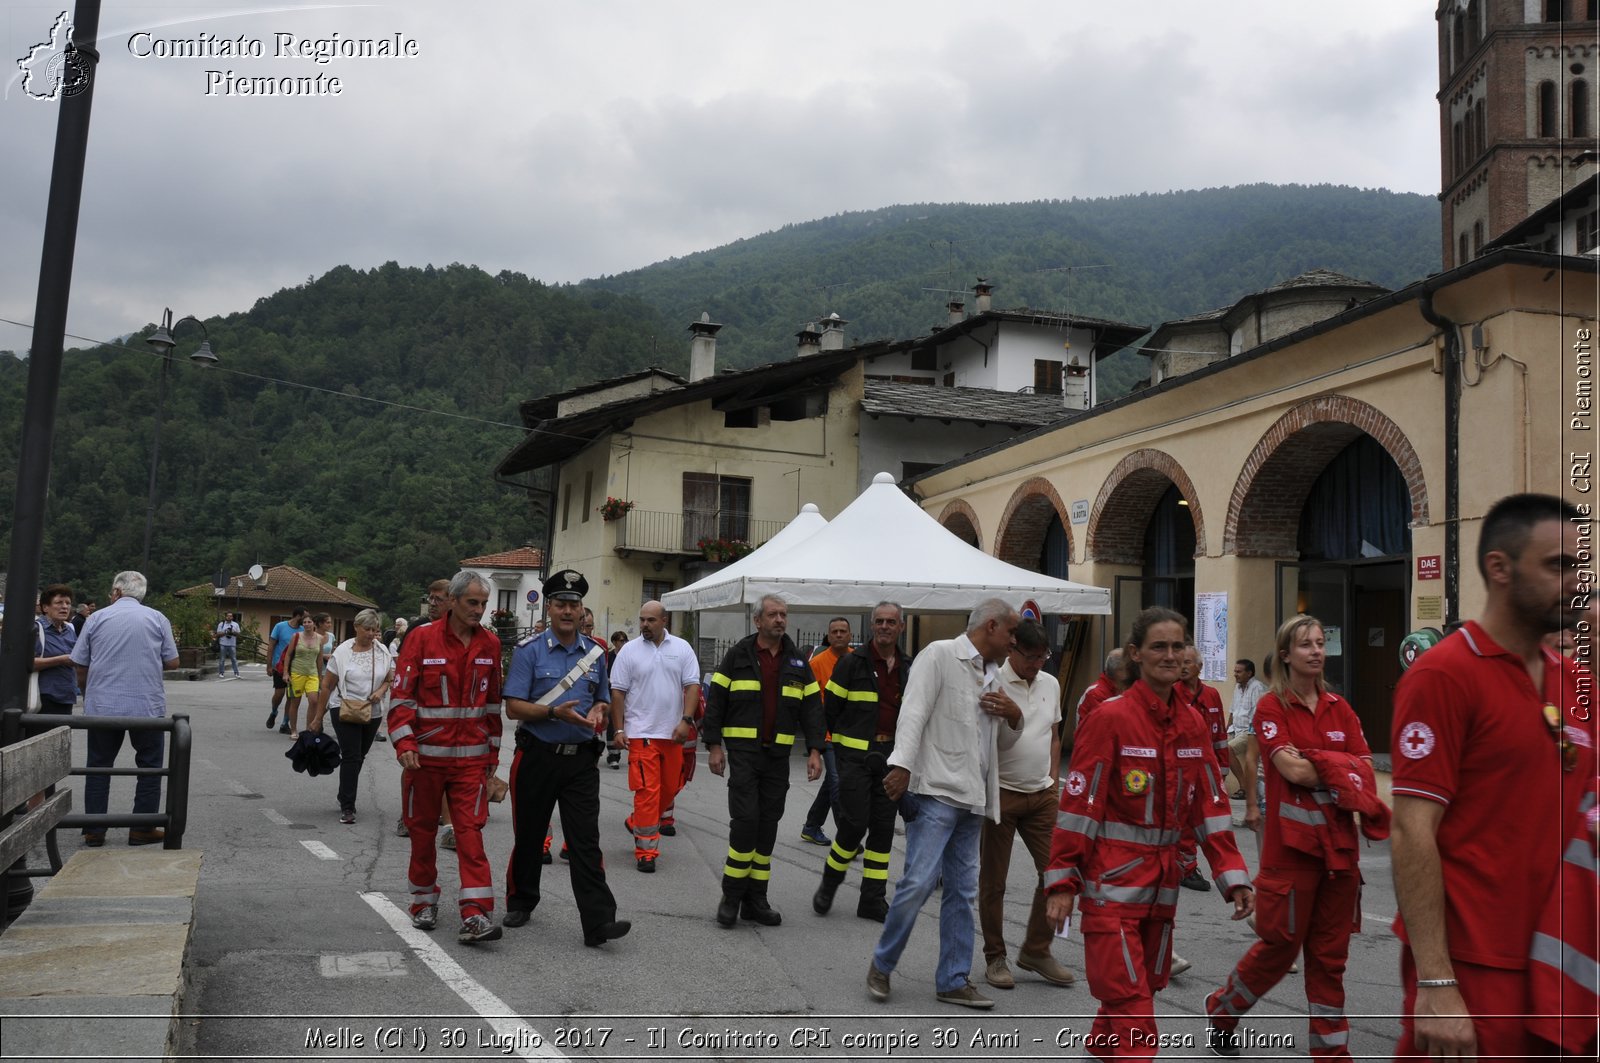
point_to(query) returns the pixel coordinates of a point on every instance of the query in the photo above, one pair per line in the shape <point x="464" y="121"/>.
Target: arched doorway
<point x="1147" y="524"/>
<point x="1331" y="492"/>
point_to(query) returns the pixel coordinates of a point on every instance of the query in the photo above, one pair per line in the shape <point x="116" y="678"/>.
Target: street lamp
<point x="163" y="342"/>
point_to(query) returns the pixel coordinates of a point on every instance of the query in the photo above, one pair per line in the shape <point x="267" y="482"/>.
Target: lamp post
<point x="163" y="342"/>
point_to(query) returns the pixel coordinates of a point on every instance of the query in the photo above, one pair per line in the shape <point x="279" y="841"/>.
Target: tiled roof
<point x="886" y="398"/>
<point x="1324" y="278"/>
<point x="284" y="583"/>
<point x="521" y="557"/>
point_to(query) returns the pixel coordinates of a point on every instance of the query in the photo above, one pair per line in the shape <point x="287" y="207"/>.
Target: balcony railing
<point x="652" y="531"/>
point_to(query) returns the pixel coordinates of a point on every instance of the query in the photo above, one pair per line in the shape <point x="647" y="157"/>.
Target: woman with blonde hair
<point x="354" y="685"/>
<point x="1309" y="886"/>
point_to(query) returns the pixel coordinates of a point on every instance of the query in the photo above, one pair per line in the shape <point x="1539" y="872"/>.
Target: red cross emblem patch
<point x="1416" y="740"/>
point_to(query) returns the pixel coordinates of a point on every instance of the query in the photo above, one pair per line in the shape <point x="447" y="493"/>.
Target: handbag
<point x="359" y="710"/>
<point x="34" y="704"/>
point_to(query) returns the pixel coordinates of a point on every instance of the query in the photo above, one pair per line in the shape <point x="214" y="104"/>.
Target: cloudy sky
<point x="570" y="140"/>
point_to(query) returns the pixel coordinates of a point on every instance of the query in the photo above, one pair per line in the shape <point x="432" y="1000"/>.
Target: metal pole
<point x="44" y="359"/>
<point x="155" y="454"/>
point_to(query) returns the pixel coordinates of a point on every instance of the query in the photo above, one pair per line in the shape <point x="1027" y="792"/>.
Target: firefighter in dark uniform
<point x="861" y="705"/>
<point x="761" y="697"/>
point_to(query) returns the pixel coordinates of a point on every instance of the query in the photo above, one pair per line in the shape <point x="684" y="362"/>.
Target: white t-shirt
<point x="359" y="673"/>
<point x="653" y="678"/>
<point x="1025" y="754"/>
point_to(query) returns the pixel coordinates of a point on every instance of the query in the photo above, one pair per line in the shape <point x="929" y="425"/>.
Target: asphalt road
<point x="301" y="947"/>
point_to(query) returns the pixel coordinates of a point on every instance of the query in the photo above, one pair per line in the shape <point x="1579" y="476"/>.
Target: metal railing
<point x="680" y="533"/>
<point x="174" y="820"/>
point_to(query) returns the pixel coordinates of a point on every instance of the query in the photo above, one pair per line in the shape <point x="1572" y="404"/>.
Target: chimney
<point x="833" y="333"/>
<point x="982" y="290"/>
<point x="703" y="348"/>
<point x="343" y="583"/>
<point x="958" y="311"/>
<point x="1075" y="384"/>
<point x="810" y="340"/>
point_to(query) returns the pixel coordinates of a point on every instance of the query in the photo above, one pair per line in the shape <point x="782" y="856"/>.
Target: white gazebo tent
<point x="805" y="524"/>
<point x="882" y="547"/>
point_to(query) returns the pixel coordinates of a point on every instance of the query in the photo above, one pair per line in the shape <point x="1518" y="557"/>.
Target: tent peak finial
<point x="884" y="478"/>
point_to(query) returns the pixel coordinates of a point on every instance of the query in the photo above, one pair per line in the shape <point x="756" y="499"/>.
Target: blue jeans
<point x="103" y="746"/>
<point x="224" y="654"/>
<point x="827" y="795"/>
<point x="942" y="840"/>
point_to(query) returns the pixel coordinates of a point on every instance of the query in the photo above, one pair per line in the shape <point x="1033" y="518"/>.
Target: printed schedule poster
<point x="1211" y="634"/>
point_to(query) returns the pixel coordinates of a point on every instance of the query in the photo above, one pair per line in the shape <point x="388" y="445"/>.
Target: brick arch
<point x="1264" y="511"/>
<point x="961" y="520"/>
<point x="1127" y="501"/>
<point x="1025" y="520"/>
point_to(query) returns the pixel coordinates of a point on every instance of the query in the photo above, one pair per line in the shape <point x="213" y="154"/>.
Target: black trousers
<point x="355" y="739"/>
<point x="758" y="783"/>
<point x="866" y="812"/>
<point x="543" y="780"/>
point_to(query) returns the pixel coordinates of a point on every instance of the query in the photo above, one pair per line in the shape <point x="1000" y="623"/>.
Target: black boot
<point x="755" y="909"/>
<point x="872" y="904"/>
<point x="822" y="900"/>
<point x="728" y="910"/>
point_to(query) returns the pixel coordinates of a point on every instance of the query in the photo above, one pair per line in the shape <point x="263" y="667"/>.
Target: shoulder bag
<point x="359" y="710"/>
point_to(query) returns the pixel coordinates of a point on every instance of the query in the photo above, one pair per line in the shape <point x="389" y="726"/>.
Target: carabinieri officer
<point x="558" y="689"/>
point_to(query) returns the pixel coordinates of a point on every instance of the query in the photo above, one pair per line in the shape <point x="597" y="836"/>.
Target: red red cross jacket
<point x="1354" y="787"/>
<point x="446" y="698"/>
<point x="1141" y="771"/>
<point x="1566" y="1010"/>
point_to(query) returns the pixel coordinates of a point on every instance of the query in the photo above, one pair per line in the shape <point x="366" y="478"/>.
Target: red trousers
<point x="1126" y="965"/>
<point x="1488" y="991"/>
<point x="655" y="774"/>
<point x="462" y="787"/>
<point x="1311" y="910"/>
<point x="690" y="751"/>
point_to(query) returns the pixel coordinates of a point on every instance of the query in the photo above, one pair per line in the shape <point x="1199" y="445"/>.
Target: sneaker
<point x="347" y="815"/>
<point x="476" y="928"/>
<point x="877" y="983"/>
<point x="1222" y="1042"/>
<point x="614" y="761"/>
<point x="966" y="996"/>
<point x="1194" y="880"/>
<point x="815" y="836"/>
<point x="447" y="838"/>
<point x="1294" y="968"/>
<point x="1046" y="967"/>
<point x="427" y="918"/>
<point x="999" y="974"/>
<point x="1179" y="965"/>
<point x="285" y="729"/>
<point x="647" y="865"/>
<point x="381" y="736"/>
<point x="400" y="830"/>
<point x="669" y="830"/>
<point x="272" y="719"/>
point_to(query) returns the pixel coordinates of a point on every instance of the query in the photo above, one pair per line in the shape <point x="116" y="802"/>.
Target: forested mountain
<point x="353" y="425"/>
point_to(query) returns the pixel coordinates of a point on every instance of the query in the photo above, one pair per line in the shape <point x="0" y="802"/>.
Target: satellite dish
<point x="258" y="574"/>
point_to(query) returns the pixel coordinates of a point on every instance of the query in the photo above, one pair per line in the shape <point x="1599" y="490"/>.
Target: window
<point x="1580" y="108"/>
<point x="1588" y="232"/>
<point x="1549" y="123"/>
<point x="1474" y="24"/>
<point x="655" y="590"/>
<point x="1553" y="10"/>
<point x="1458" y="150"/>
<point x="507" y="601"/>
<point x="1477" y="238"/>
<point x="1461" y="255"/>
<point x="714" y="507"/>
<point x="1458" y="41"/>
<point x="925" y="359"/>
<point x="1480" y="128"/>
<point x="566" y="505"/>
<point x="588" y="495"/>
<point x="949" y="380"/>
<point x="1046" y="377"/>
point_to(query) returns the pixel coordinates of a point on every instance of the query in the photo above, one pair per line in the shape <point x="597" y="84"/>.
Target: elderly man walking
<point x="119" y="658"/>
<point x="1029" y="763"/>
<point x="945" y="761"/>
<point x="655" y="691"/>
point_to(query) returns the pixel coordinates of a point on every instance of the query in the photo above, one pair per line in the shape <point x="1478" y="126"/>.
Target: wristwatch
<point x="688" y="720"/>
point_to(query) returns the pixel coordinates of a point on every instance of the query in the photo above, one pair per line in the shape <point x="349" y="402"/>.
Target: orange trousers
<point x="655" y="775"/>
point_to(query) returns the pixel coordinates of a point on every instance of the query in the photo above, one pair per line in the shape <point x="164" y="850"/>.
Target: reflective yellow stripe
<point x="796" y="692"/>
<point x="852" y="743"/>
<point x="851" y="695"/>
<point x="812" y="689"/>
<point x="873" y="872"/>
<point x="781" y="739"/>
<point x="836" y="690"/>
<point x="739" y="732"/>
<point x="720" y="679"/>
<point x="744" y="684"/>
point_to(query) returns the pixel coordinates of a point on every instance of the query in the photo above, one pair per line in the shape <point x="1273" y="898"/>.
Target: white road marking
<point x="492" y="1008"/>
<point x="277" y="817"/>
<point x="239" y="787"/>
<point x="320" y="851"/>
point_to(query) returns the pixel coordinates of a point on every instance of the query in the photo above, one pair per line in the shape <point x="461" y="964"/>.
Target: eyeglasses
<point x="1569" y="751"/>
<point x="1034" y="658"/>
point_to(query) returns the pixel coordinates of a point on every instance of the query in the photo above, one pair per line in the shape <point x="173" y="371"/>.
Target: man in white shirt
<point x="655" y="690"/>
<point x="944" y="768"/>
<point x="1029" y="762"/>
<point x="1246" y="692"/>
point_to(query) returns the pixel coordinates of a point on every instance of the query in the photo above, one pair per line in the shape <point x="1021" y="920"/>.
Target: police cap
<point x="567" y="585"/>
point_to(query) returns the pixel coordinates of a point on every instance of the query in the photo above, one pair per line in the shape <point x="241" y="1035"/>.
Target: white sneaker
<point x="447" y="838"/>
<point x="426" y="919"/>
<point x="1179" y="965"/>
<point x="476" y="928"/>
